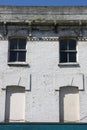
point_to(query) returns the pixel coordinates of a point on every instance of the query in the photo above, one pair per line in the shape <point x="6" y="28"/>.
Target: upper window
<point x="17" y="50"/>
<point x="68" y="50"/>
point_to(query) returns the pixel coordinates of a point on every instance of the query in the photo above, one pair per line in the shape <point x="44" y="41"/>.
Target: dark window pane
<point x="13" y="44"/>
<point x="17" y="55"/>
<point x="13" y="56"/>
<point x="22" y="44"/>
<point x="72" y="44"/>
<point x="63" y="45"/>
<point x="72" y="57"/>
<point x="63" y="57"/>
<point x="21" y="56"/>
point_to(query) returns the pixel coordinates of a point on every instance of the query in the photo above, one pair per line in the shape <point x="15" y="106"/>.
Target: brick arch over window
<point x="15" y="104"/>
<point x="69" y="104"/>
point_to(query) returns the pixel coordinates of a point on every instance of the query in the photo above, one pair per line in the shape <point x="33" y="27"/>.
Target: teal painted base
<point x="39" y="126"/>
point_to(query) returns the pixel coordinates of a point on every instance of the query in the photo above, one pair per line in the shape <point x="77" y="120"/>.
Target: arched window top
<point x="15" y="86"/>
<point x="69" y="89"/>
<point x="67" y="38"/>
<point x="17" y="37"/>
<point x="66" y="87"/>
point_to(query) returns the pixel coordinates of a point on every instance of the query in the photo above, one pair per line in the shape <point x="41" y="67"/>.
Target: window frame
<point x="68" y="51"/>
<point x="16" y="50"/>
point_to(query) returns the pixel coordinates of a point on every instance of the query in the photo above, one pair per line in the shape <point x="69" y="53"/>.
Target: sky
<point x="43" y="2"/>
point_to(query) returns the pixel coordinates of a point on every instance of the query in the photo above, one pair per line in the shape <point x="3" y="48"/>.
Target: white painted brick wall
<point x="42" y="101"/>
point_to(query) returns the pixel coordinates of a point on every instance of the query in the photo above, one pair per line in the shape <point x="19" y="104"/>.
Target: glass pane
<point x="13" y="43"/>
<point x="72" y="57"/>
<point x="72" y="44"/>
<point x="63" y="57"/>
<point x="22" y="43"/>
<point x="13" y="56"/>
<point x="21" y="56"/>
<point x="63" y="45"/>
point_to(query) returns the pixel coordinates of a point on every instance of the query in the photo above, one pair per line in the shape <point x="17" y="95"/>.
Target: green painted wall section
<point x="43" y="126"/>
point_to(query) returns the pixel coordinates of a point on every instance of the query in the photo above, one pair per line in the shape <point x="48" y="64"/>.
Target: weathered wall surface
<point x="42" y="76"/>
<point x="44" y="13"/>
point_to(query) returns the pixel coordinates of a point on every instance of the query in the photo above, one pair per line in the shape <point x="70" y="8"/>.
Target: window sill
<point x="68" y="64"/>
<point x="18" y="64"/>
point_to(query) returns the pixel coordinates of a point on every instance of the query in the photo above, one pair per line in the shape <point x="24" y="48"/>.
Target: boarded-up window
<point x="15" y="104"/>
<point x="69" y="104"/>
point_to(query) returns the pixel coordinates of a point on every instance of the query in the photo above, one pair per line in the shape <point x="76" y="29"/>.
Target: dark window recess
<point x="63" y="57"/>
<point x="17" y="50"/>
<point x="67" y="50"/>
